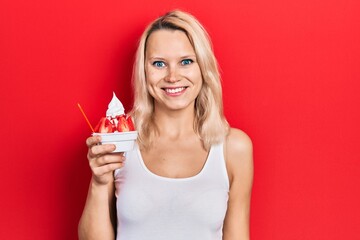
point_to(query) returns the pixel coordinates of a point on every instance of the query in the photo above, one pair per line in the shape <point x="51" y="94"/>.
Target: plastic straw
<point x="87" y="120"/>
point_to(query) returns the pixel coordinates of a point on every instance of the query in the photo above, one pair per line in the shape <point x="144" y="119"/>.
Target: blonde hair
<point x="210" y="123"/>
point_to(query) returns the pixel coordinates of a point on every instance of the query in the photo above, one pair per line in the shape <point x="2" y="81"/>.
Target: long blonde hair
<point x="210" y="123"/>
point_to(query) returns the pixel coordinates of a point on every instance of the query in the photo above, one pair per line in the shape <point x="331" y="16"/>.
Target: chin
<point x="179" y="106"/>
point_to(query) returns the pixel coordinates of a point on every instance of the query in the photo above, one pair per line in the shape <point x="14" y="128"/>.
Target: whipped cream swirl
<point x="115" y="107"/>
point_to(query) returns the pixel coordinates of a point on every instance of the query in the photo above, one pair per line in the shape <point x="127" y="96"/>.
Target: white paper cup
<point x="124" y="141"/>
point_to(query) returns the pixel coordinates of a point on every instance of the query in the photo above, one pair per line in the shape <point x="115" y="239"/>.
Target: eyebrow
<point x="182" y="57"/>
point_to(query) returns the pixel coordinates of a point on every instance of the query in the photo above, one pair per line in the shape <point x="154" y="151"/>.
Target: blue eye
<point x="186" y="62"/>
<point x="159" y="64"/>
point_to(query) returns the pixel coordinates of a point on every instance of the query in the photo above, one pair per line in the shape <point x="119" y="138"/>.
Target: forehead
<point x="168" y="43"/>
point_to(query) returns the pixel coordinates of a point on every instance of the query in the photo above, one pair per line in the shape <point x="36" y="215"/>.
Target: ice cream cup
<point x="124" y="141"/>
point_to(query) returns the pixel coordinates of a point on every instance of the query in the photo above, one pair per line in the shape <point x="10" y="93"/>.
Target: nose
<point x="172" y="75"/>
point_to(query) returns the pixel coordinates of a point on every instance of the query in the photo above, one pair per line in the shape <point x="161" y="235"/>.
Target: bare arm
<point x="98" y="218"/>
<point x="239" y="159"/>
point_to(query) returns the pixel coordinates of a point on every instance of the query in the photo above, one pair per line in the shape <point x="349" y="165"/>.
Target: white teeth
<point x="174" y="90"/>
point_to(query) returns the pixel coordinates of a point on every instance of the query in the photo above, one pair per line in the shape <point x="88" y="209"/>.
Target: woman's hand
<point x="102" y="161"/>
<point x="97" y="220"/>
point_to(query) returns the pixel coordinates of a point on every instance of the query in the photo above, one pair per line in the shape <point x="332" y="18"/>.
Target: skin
<point x="174" y="80"/>
<point x="171" y="63"/>
<point x="239" y="161"/>
<point x="98" y="218"/>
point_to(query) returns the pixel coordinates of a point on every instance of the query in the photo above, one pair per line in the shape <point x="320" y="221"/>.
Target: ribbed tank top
<point x="152" y="207"/>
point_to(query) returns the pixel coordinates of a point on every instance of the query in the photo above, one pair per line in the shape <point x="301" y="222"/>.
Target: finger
<point x="121" y="154"/>
<point x="99" y="171"/>
<point x="108" y="159"/>
<point x="101" y="149"/>
<point x="91" y="141"/>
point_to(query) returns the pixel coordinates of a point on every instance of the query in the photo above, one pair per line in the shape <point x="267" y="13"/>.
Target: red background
<point x="291" y="76"/>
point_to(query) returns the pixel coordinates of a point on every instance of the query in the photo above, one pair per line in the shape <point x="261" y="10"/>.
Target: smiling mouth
<point x="174" y="90"/>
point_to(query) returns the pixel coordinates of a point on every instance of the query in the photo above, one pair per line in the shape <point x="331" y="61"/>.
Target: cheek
<point x="151" y="79"/>
<point x="195" y="76"/>
<point x="153" y="76"/>
<point x="150" y="89"/>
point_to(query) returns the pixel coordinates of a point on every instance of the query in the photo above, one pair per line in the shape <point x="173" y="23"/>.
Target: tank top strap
<point x="216" y="165"/>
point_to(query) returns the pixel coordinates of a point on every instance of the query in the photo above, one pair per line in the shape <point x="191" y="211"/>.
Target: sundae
<point x="117" y="127"/>
<point x="116" y="120"/>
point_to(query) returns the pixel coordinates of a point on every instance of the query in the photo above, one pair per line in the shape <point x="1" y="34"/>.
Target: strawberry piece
<point x="124" y="125"/>
<point x="104" y="126"/>
<point x="130" y="123"/>
<point x="97" y="127"/>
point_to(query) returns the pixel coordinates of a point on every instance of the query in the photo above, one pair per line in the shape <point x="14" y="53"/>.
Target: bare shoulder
<point x="238" y="153"/>
<point x="238" y="143"/>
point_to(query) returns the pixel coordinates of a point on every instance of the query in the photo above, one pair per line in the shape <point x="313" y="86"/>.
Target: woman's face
<point x="172" y="73"/>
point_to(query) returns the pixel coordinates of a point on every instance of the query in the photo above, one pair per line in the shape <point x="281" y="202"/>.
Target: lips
<point x="174" y="90"/>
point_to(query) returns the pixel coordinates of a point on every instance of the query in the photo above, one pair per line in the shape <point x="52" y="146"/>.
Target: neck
<point x="175" y="123"/>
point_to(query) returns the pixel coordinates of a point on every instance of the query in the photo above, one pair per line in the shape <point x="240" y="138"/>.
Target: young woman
<point x="190" y="174"/>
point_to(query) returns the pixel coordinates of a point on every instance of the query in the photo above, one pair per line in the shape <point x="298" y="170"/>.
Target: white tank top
<point x="152" y="207"/>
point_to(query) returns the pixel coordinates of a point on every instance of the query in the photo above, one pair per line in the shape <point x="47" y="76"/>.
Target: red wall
<point x="291" y="81"/>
